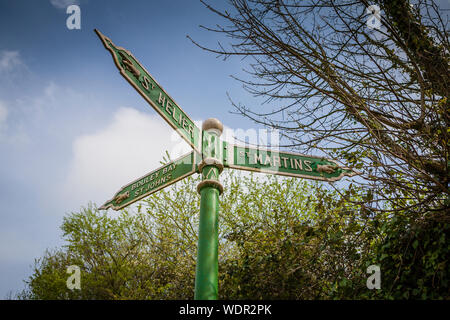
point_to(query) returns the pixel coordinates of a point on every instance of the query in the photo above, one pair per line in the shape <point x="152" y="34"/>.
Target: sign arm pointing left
<point x="153" y="181"/>
<point x="132" y="70"/>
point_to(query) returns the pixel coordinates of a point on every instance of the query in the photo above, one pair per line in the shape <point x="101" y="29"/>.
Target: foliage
<point x="279" y="239"/>
<point x="415" y="257"/>
<point x="293" y="240"/>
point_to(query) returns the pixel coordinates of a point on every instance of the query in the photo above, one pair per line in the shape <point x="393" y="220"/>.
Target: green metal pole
<point x="206" y="280"/>
<point x="207" y="269"/>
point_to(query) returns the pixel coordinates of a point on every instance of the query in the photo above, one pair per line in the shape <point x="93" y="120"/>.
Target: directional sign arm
<point x="283" y="163"/>
<point x="153" y="93"/>
<point x="153" y="181"/>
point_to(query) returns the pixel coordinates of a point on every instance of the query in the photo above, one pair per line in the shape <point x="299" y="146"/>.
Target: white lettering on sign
<point x="274" y="160"/>
<point x="308" y="165"/>
<point x="298" y="164"/>
<point x="150" y="178"/>
<point x="153" y="184"/>
<point x="258" y="157"/>
<point x="146" y="83"/>
<point x="176" y="114"/>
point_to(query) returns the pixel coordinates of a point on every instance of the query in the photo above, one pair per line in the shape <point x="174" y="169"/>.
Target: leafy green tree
<point x="279" y="238"/>
<point x="414" y="256"/>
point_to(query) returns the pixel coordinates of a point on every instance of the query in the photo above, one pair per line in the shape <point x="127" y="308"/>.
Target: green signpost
<point x="209" y="157"/>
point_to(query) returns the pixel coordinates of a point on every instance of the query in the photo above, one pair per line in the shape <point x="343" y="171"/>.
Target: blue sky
<point x="72" y="130"/>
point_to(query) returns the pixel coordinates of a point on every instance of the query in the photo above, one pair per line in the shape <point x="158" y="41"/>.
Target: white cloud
<point x="20" y="117"/>
<point x="9" y="60"/>
<point x="13" y="72"/>
<point x="130" y="146"/>
<point x="62" y="4"/>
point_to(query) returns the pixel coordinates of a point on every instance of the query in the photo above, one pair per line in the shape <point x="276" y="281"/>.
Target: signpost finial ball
<point x="212" y="124"/>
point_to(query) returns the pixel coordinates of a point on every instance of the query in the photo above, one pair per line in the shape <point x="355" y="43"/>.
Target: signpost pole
<point x="207" y="269"/>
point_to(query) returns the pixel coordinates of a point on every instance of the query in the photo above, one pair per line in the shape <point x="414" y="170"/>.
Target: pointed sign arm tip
<point x="105" y="206"/>
<point x="102" y="37"/>
<point x="98" y="33"/>
<point x="350" y="172"/>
